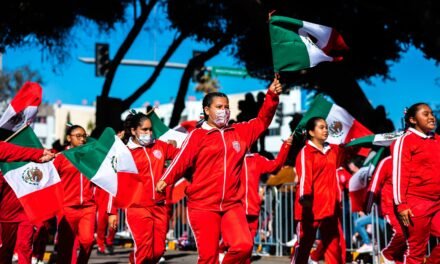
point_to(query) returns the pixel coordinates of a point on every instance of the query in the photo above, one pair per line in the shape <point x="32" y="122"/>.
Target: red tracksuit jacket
<point x="150" y="162"/>
<point x="256" y="165"/>
<point x="78" y="190"/>
<point x="416" y="163"/>
<point x="215" y="158"/>
<point x="11" y="210"/>
<point x="10" y="207"/>
<point x="316" y="172"/>
<point x="381" y="183"/>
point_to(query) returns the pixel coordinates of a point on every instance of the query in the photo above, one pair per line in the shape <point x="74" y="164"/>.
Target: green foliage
<point x="49" y="22"/>
<point x="11" y="81"/>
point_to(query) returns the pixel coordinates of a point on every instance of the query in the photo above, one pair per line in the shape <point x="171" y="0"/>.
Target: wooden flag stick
<point x="149" y="112"/>
<point x="17" y="132"/>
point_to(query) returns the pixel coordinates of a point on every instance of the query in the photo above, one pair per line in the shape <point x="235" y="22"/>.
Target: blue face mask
<point x="145" y="139"/>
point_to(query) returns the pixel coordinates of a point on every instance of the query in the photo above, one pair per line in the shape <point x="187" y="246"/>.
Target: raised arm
<point x="253" y="129"/>
<point x="272" y="166"/>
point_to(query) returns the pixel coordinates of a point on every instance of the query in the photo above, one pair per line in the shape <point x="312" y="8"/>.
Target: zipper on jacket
<point x="247" y="184"/>
<point x="151" y="172"/>
<point x="224" y="170"/>
<point x="81" y="189"/>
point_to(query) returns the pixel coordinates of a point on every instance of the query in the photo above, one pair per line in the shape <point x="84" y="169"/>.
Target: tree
<point x="377" y="32"/>
<point x="12" y="80"/>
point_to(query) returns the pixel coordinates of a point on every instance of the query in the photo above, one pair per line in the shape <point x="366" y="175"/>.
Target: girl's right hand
<point x="276" y="87"/>
<point x="405" y="216"/>
<point x="160" y="186"/>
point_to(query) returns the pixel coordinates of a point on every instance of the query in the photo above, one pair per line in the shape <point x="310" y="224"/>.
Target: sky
<point x="74" y="82"/>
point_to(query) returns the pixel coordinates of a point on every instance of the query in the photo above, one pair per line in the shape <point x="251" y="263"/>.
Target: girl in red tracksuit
<point x="255" y="166"/>
<point x="214" y="155"/>
<point x="147" y="216"/>
<point x="416" y="182"/>
<point x="382" y="183"/>
<point x="317" y="198"/>
<point x="11" y="211"/>
<point x="78" y="221"/>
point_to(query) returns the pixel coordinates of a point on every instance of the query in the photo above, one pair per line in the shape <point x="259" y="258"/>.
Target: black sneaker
<point x="101" y="252"/>
<point x="110" y="249"/>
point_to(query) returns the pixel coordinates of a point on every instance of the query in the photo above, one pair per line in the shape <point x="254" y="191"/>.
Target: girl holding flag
<point x="416" y="182"/>
<point x="78" y="221"/>
<point x="147" y="217"/>
<point x="317" y="201"/>
<point x="214" y="155"/>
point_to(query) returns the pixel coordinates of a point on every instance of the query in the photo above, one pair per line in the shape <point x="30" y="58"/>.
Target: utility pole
<point x="1" y="63"/>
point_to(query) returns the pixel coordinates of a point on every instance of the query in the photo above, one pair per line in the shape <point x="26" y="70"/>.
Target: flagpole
<point x="17" y="132"/>
<point x="149" y="112"/>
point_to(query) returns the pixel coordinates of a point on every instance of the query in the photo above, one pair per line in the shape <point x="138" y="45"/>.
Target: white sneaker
<point x="311" y="261"/>
<point x="365" y="248"/>
<point x="292" y="242"/>
<point x="263" y="254"/>
<point x="221" y="256"/>
<point x="162" y="260"/>
<point x="387" y="261"/>
<point x="15" y="257"/>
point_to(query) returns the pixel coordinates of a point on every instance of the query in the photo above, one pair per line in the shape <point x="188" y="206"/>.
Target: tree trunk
<point x="126" y="45"/>
<point x="179" y="104"/>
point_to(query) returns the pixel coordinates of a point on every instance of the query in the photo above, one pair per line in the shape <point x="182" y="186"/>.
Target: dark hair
<point x="207" y="101"/>
<point x="411" y="113"/>
<point x="311" y="124"/>
<point x="133" y="120"/>
<point x="71" y="128"/>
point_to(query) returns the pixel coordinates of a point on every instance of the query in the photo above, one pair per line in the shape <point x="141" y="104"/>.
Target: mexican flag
<point x="358" y="184"/>
<point x="384" y="140"/>
<point x="108" y="163"/>
<point x="341" y="125"/>
<point x="23" y="107"/>
<point x="36" y="185"/>
<point x="163" y="132"/>
<point x="300" y="45"/>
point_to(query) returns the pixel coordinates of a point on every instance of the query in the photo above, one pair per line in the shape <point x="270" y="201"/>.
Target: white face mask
<point x="145" y="139"/>
<point x="222" y="117"/>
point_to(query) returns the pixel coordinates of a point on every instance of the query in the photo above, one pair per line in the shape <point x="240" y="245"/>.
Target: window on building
<point x="274" y="131"/>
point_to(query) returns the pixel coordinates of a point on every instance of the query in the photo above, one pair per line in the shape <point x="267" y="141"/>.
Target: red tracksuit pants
<point x="16" y="237"/>
<point x="208" y="226"/>
<point x="102" y="229"/>
<point x="76" y="223"/>
<point x="319" y="253"/>
<point x="330" y="238"/>
<point x="397" y="245"/>
<point x="425" y="222"/>
<point x="8" y="238"/>
<point x="148" y="225"/>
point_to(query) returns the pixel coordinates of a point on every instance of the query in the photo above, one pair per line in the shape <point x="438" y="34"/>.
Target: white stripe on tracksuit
<point x="397" y="166"/>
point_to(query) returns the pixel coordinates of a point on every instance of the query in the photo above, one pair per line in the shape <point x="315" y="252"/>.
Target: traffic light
<point x="199" y="70"/>
<point x="279" y="114"/>
<point x="102" y="59"/>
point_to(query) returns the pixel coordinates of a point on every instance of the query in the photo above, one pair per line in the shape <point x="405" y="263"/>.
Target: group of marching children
<point x="408" y="182"/>
<point x="223" y="200"/>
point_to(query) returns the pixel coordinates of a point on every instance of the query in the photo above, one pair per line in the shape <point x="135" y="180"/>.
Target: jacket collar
<point x="132" y="145"/>
<point x="420" y="134"/>
<point x="211" y="129"/>
<point x="324" y="150"/>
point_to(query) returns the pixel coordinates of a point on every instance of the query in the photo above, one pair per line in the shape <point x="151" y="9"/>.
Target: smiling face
<point x="424" y="120"/>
